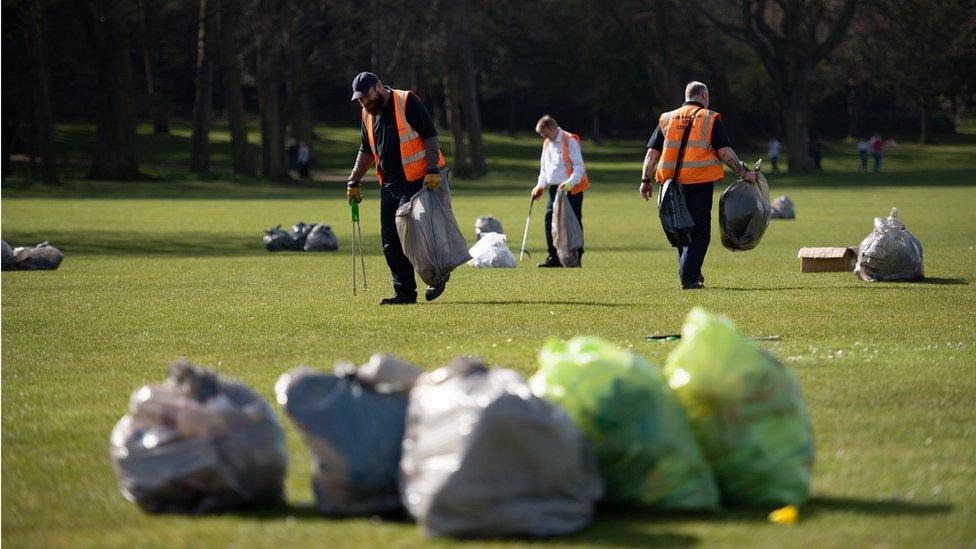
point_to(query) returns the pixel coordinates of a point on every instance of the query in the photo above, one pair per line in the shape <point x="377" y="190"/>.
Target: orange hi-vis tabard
<point x="413" y="154"/>
<point x="568" y="162"/>
<point x="701" y="163"/>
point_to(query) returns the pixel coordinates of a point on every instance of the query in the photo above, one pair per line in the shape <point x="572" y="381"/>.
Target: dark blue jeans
<point x="576" y="202"/>
<point x="690" y="258"/>
<point x="392" y="198"/>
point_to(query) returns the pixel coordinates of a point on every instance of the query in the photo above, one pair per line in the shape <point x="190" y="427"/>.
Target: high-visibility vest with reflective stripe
<point x="584" y="183"/>
<point x="413" y="154"/>
<point x="701" y="163"/>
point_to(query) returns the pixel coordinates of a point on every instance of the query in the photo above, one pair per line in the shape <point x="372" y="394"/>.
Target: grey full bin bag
<point x="321" y="239"/>
<point x="782" y="208"/>
<point x="483" y="457"/>
<point x="487" y="224"/>
<point x="199" y="444"/>
<point x="890" y="253"/>
<point x="276" y="239"/>
<point x="8" y="256"/>
<point x="352" y="421"/>
<point x="429" y="234"/>
<point x="743" y="213"/>
<point x="42" y="257"/>
<point x="567" y="233"/>
<point x="673" y="211"/>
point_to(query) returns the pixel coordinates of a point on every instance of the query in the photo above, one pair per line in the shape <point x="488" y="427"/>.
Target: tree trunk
<point x="301" y="101"/>
<point x="241" y="156"/>
<point x="203" y="99"/>
<point x="269" y="61"/>
<point x="467" y="86"/>
<point x="595" y="135"/>
<point x="795" y="115"/>
<point x="453" y="114"/>
<point x="107" y="31"/>
<point x="926" y="109"/>
<point x="157" y="103"/>
<point x="41" y="91"/>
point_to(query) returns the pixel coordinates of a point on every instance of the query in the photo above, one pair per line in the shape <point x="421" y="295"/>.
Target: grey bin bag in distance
<point x="8" y="256"/>
<point x="353" y="422"/>
<point x="199" y="444"/>
<point x="276" y="239"/>
<point x="743" y="213"/>
<point x="42" y="257"/>
<point x="483" y="457"/>
<point x="567" y="233"/>
<point x="321" y="239"/>
<point x="429" y="234"/>
<point x="782" y="208"/>
<point x="487" y="224"/>
<point x="890" y="253"/>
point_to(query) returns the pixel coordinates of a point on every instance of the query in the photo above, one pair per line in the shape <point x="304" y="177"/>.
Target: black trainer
<point x="550" y="262"/>
<point x="433" y="292"/>
<point x="398" y="300"/>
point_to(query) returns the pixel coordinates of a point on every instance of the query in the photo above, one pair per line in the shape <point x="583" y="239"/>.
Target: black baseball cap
<point x="362" y="83"/>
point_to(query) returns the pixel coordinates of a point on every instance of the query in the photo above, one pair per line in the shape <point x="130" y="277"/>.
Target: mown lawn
<point x="174" y="267"/>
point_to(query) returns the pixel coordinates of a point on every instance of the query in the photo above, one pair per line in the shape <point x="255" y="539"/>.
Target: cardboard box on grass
<point x="829" y="259"/>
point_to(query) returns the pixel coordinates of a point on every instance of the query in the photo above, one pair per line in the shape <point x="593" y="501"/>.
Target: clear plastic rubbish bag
<point x="644" y="445"/>
<point x="567" y="232"/>
<point x="890" y="253"/>
<point x="429" y="234"/>
<point x="487" y="224"/>
<point x="746" y="411"/>
<point x="199" y="444"/>
<point x="321" y="239"/>
<point x="782" y="208"/>
<point x="42" y="257"/>
<point x="491" y="252"/>
<point x="276" y="239"/>
<point x="673" y="211"/>
<point x="483" y="457"/>
<point x="352" y="421"/>
<point x="743" y="213"/>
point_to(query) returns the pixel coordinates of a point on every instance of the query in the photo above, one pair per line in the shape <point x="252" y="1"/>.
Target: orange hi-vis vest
<point x="584" y="183"/>
<point x="413" y="154"/>
<point x="701" y="163"/>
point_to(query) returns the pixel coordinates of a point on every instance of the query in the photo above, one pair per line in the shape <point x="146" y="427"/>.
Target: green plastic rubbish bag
<point x="747" y="413"/>
<point x="645" y="448"/>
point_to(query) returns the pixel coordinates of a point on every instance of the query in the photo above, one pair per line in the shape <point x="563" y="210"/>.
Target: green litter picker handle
<point x="354" y="206"/>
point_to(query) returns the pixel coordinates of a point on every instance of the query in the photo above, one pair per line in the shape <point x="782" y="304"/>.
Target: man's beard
<point x="373" y="107"/>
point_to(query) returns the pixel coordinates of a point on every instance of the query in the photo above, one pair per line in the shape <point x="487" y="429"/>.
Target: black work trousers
<point x="576" y="202"/>
<point x="391" y="198"/>
<point x="690" y="258"/>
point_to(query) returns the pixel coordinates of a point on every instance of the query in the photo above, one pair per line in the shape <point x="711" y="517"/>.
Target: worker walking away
<point x="707" y="148"/>
<point x="399" y="137"/>
<point x="561" y="168"/>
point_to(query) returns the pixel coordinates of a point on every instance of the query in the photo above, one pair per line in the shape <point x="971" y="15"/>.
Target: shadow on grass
<point x="542" y="302"/>
<point x="181" y="244"/>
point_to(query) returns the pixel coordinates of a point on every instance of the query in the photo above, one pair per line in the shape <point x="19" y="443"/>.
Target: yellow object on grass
<point x="785" y="515"/>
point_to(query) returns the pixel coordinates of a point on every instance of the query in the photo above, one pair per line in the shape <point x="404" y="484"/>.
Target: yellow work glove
<point x="352" y="192"/>
<point x="432" y="180"/>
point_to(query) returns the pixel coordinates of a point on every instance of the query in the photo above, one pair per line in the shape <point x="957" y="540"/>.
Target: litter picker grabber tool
<point x="357" y="242"/>
<point x="523" y="252"/>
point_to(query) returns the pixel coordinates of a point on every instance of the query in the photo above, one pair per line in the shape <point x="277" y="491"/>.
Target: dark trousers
<point x="690" y="258"/>
<point x="575" y="201"/>
<point x="391" y="198"/>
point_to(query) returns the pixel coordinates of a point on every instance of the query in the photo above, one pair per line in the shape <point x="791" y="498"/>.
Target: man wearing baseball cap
<point x="399" y="137"/>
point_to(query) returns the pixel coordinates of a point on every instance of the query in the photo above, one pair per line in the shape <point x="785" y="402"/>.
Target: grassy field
<point x="174" y="267"/>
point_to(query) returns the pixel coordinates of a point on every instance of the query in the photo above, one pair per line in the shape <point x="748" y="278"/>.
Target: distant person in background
<point x="816" y="152"/>
<point x="877" y="147"/>
<point x="304" y="154"/>
<point x="560" y="167"/>
<point x="862" y="151"/>
<point x="773" y="153"/>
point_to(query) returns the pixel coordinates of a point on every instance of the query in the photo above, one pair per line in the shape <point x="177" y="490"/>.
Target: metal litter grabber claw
<point x="525" y="235"/>
<point x="357" y="243"/>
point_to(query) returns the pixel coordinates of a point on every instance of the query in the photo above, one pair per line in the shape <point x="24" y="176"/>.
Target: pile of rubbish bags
<point x="744" y="211"/>
<point x="782" y="208"/>
<point x="890" y="253"/>
<point x="42" y="257"/>
<point x="429" y="234"/>
<point x="468" y="450"/>
<point x="491" y="252"/>
<point x="198" y="444"/>
<point x="309" y="237"/>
